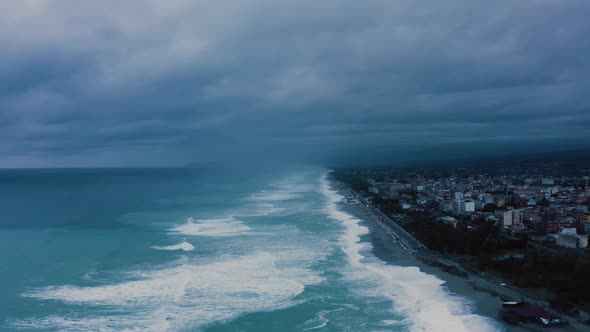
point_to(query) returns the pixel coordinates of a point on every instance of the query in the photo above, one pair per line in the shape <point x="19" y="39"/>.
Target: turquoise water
<point x="202" y="250"/>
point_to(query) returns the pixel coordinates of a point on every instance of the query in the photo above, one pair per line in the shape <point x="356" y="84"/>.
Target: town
<point x="523" y="225"/>
<point x="547" y="210"/>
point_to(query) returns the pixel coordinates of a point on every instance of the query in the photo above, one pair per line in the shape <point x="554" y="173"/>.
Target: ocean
<point x="204" y="249"/>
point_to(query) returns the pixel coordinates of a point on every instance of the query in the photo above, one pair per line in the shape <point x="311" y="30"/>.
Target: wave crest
<point x="212" y="227"/>
<point x="184" y="246"/>
<point x="179" y="297"/>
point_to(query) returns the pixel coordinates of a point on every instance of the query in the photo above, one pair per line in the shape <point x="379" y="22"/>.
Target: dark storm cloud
<point x="154" y="82"/>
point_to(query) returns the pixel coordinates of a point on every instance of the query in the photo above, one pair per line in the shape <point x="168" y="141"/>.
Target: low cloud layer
<point x="170" y="82"/>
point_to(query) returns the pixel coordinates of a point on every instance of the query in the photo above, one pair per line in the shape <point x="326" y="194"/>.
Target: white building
<point x="513" y="217"/>
<point x="517" y="217"/>
<point x="507" y="218"/>
<point x="457" y="206"/>
<point x="569" y="231"/>
<point x="572" y="240"/>
<point x="463" y="206"/>
<point x="468" y="206"/>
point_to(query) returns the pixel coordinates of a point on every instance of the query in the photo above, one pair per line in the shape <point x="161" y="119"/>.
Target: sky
<point x="158" y="83"/>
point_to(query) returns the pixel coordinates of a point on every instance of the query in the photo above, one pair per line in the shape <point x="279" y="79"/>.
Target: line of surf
<point x="420" y="297"/>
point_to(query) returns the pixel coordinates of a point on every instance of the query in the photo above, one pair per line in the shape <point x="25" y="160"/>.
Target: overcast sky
<point x="100" y="83"/>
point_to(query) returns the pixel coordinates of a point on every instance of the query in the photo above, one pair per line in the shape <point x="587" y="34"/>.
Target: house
<point x="449" y="221"/>
<point x="572" y="240"/>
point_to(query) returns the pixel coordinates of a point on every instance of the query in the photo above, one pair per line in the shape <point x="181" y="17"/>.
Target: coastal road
<point x="405" y="239"/>
<point x="410" y="244"/>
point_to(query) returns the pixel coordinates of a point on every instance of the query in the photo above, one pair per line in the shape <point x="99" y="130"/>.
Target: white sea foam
<point x="420" y="297"/>
<point x="267" y="209"/>
<point x="284" y="190"/>
<point x="293" y="185"/>
<point x="184" y="246"/>
<point x="259" y="210"/>
<point x="270" y="196"/>
<point x="212" y="227"/>
<point x="279" y="199"/>
<point x="318" y="322"/>
<point x="179" y="297"/>
<point x="391" y="322"/>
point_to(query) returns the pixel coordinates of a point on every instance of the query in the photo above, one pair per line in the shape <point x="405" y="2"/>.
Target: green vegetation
<point x="446" y="239"/>
<point x="490" y="207"/>
<point x="387" y="206"/>
<point x="565" y="275"/>
<point x="438" y="236"/>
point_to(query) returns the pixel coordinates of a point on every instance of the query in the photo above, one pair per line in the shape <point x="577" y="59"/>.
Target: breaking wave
<point x="183" y="296"/>
<point x="420" y="297"/>
<point x="184" y="246"/>
<point x="212" y="227"/>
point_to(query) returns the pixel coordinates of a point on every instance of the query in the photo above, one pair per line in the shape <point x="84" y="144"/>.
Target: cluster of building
<point x="545" y="208"/>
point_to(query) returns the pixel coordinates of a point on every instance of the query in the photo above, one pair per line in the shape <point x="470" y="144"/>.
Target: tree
<point x="490" y="207"/>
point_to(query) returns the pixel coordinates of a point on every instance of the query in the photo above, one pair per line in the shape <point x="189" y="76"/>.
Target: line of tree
<point x="566" y="275"/>
<point x="484" y="238"/>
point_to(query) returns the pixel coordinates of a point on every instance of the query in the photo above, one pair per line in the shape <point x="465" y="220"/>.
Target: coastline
<point x="482" y="297"/>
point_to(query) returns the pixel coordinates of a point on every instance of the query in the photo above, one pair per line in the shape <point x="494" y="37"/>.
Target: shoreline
<point x="483" y="296"/>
